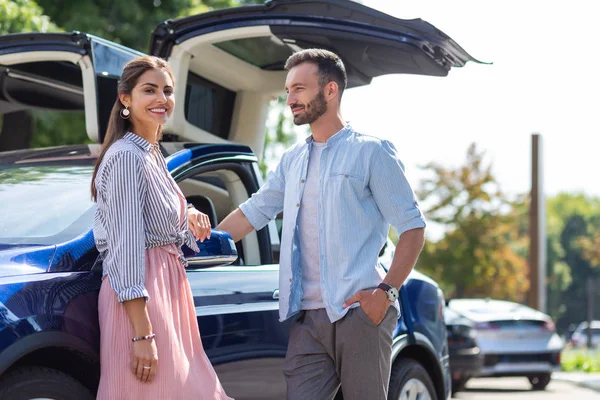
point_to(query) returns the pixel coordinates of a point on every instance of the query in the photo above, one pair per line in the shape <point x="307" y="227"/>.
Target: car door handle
<point x="276" y="294"/>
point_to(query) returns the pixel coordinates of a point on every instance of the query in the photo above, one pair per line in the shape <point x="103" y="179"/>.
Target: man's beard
<point x="313" y="110"/>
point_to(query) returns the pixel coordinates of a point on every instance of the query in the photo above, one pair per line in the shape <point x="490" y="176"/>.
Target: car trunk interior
<point x="226" y="98"/>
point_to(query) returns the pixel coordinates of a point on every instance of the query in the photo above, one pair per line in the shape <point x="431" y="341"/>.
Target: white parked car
<point x="579" y="337"/>
<point x="516" y="340"/>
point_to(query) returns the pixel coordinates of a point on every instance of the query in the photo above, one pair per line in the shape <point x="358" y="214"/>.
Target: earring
<point x="125" y="114"/>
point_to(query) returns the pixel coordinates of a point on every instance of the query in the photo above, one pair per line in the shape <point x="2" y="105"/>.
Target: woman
<point x="150" y="344"/>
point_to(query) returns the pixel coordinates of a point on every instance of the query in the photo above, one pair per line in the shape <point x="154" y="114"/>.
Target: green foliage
<point x="482" y="252"/>
<point x="573" y="236"/>
<point x="129" y="23"/>
<point x="23" y="16"/>
<point x="279" y="135"/>
<point x="580" y="360"/>
<point x="564" y="205"/>
<point x="58" y="128"/>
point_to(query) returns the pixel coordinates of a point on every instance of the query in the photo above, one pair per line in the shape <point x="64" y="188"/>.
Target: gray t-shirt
<point x="308" y="227"/>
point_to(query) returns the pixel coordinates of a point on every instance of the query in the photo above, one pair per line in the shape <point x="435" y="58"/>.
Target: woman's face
<point x="152" y="99"/>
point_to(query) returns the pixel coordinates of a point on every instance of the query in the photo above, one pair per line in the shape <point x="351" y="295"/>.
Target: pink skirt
<point x="184" y="371"/>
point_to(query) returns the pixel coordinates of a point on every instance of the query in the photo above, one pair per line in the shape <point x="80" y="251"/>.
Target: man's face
<point x="305" y="97"/>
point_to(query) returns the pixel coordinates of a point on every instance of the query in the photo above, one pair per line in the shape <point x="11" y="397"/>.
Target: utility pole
<point x="537" y="230"/>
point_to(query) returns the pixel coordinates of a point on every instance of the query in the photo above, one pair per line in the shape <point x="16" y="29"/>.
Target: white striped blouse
<point x="138" y="208"/>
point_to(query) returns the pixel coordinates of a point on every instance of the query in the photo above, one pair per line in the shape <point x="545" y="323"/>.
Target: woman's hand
<point x="199" y="224"/>
<point x="144" y="359"/>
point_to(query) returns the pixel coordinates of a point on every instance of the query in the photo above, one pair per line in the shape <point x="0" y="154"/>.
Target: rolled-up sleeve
<point x="125" y="192"/>
<point x="392" y="192"/>
<point x="265" y="204"/>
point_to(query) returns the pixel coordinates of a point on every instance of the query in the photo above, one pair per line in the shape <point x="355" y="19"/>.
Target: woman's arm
<point x="125" y="193"/>
<point x="144" y="351"/>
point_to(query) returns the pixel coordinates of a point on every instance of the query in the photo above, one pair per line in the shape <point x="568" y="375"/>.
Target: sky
<point x="544" y="79"/>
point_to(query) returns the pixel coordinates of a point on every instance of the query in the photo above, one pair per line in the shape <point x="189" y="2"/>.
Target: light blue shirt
<point x="363" y="189"/>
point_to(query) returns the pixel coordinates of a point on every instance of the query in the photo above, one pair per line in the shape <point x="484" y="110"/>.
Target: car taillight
<point x="549" y="326"/>
<point x="487" y="325"/>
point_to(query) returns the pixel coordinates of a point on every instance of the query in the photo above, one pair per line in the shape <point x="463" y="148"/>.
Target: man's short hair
<point x="331" y="67"/>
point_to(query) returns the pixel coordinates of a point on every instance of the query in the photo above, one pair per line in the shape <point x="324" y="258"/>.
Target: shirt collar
<point x="341" y="134"/>
<point x="139" y="141"/>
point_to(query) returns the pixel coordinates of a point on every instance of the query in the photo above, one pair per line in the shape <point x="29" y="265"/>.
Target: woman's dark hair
<point x="117" y="126"/>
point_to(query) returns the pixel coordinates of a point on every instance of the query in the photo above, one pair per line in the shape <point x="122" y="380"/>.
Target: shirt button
<point x="302" y="181"/>
<point x="346" y="175"/>
<point x="290" y="280"/>
<point x="298" y="205"/>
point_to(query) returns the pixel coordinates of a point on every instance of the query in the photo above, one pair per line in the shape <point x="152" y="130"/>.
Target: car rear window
<point x="44" y="204"/>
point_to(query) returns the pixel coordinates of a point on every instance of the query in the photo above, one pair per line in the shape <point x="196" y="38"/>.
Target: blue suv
<point x="229" y="66"/>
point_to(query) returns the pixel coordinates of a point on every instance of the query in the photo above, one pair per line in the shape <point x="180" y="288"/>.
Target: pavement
<point x="583" y="379"/>
<point x="519" y="388"/>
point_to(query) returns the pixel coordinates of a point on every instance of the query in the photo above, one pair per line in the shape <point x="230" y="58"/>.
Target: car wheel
<point x="33" y="382"/>
<point x="540" y="381"/>
<point x="458" y="385"/>
<point x="409" y="380"/>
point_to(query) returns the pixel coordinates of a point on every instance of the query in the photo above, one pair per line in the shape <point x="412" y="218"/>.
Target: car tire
<point x="410" y="380"/>
<point x="539" y="381"/>
<point x="31" y="382"/>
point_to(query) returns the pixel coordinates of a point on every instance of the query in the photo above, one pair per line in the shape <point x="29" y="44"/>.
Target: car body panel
<point x="25" y="260"/>
<point x="371" y="43"/>
<point x="466" y="358"/>
<point x="64" y="303"/>
<point x="514" y="339"/>
<point x="20" y="43"/>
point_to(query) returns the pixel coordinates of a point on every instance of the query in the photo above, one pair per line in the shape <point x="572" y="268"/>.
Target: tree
<point x="129" y="23"/>
<point x="23" y="16"/>
<point x="279" y="135"/>
<point x="590" y="246"/>
<point x="572" y="231"/>
<point x="482" y="251"/>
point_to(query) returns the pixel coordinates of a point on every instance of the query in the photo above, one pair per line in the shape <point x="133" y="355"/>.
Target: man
<point x="339" y="191"/>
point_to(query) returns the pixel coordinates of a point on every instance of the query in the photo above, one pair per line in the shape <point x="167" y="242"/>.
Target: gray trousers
<point x="352" y="352"/>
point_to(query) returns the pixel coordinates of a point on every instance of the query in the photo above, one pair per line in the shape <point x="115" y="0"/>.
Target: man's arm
<point x="259" y="209"/>
<point x="398" y="204"/>
<point x="407" y="252"/>
<point x="236" y="224"/>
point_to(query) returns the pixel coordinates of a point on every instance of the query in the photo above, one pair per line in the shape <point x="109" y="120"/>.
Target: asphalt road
<point x="519" y="389"/>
